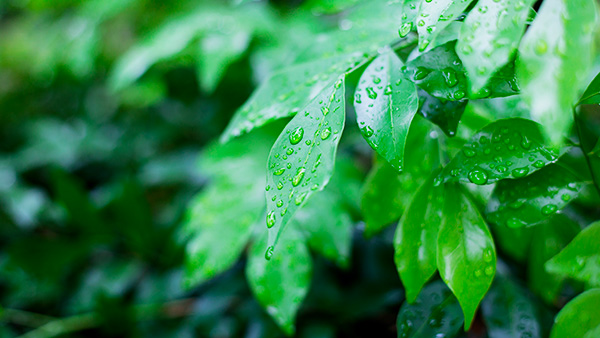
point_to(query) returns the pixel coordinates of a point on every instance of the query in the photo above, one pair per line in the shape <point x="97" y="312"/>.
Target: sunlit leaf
<point x="435" y="15"/>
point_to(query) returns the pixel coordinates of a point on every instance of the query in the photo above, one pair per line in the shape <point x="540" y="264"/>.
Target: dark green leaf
<point x="592" y="93"/>
<point x="508" y="148"/>
<point x="302" y="159"/>
<point x="579" y="318"/>
<point x="513" y="242"/>
<point x="489" y="37"/>
<point x="435" y="313"/>
<point x="555" y="57"/>
<point x="508" y="311"/>
<point x="581" y="258"/>
<point x="435" y="15"/>
<point x="415" y="242"/>
<point x="529" y="200"/>
<point x="385" y="105"/>
<point x="466" y="256"/>
<point x="446" y="114"/>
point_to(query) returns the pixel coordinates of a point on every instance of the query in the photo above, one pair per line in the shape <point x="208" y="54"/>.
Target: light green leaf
<point x="288" y="92"/>
<point x="555" y="57"/>
<point x="385" y="105"/>
<point x="507" y="148"/>
<point x="548" y="238"/>
<point x="529" y="200"/>
<point x="217" y="50"/>
<point x="592" y="93"/>
<point x="410" y="8"/>
<point x="508" y="311"/>
<point x="436" y="313"/>
<point x="415" y="241"/>
<point x="302" y="159"/>
<point x="579" y="317"/>
<point x="580" y="260"/>
<point x="280" y="284"/>
<point x="466" y="256"/>
<point x="435" y="15"/>
<point x="490" y="36"/>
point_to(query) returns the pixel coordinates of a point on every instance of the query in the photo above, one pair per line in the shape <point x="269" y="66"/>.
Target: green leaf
<point x="217" y="50"/>
<point x="592" y="93"/>
<point x="445" y="114"/>
<point x="287" y="92"/>
<point x="281" y="283"/>
<point x="579" y="317"/>
<point x="327" y="226"/>
<point x="555" y="57"/>
<point x="580" y="260"/>
<point x="508" y="311"/>
<point x="302" y="159"/>
<point x="435" y="15"/>
<point x="385" y="105"/>
<point x="415" y="241"/>
<point x="507" y="148"/>
<point x="529" y="200"/>
<point x="466" y="256"/>
<point x="386" y="192"/>
<point x="435" y="313"/>
<point x="410" y="8"/>
<point x="514" y="242"/>
<point x="548" y="238"/>
<point x="220" y="219"/>
<point x="490" y="36"/>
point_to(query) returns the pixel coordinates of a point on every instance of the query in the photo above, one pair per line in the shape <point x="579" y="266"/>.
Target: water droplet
<point x="279" y="203"/>
<point x="299" y="176"/>
<point x="541" y="47"/>
<point x="459" y="94"/>
<point x="478" y="176"/>
<point x="450" y="77"/>
<point x="421" y="73"/>
<point x="279" y="171"/>
<point x="324" y="110"/>
<point x="549" y="209"/>
<point x="325" y="133"/>
<point x="489" y="270"/>
<point x="269" y="253"/>
<point x="539" y="164"/>
<point x="279" y="185"/>
<point x="421" y="23"/>
<point x="488" y="255"/>
<point x="357" y="100"/>
<point x="565" y="197"/>
<point x="454" y="172"/>
<point x="501" y="169"/>
<point x="367" y="131"/>
<point x="371" y="93"/>
<point x="376" y="79"/>
<point x="296" y="135"/>
<point x="469" y="152"/>
<point x="271" y="219"/>
<point x="267" y="188"/>
<point x="514" y="223"/>
<point x="289" y="151"/>
<point x="520" y="172"/>
<point x="387" y="90"/>
<point x="300" y="198"/>
<point x="405" y="29"/>
<point x="483" y="9"/>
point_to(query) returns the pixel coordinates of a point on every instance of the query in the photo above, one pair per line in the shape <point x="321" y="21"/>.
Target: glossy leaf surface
<point x="489" y="37"/>
<point x="435" y="313"/>
<point x="554" y="61"/>
<point x="529" y="200"/>
<point x="385" y="105"/>
<point x="466" y="256"/>
<point x="579" y="317"/>
<point x="302" y="159"/>
<point x="592" y="93"/>
<point x="446" y="114"/>
<point x="435" y="15"/>
<point x="410" y="9"/>
<point x="580" y="260"/>
<point x="508" y="148"/>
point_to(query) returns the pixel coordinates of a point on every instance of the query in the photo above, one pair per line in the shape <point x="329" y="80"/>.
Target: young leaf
<point x="410" y="9"/>
<point x="579" y="318"/>
<point x="581" y="258"/>
<point x="529" y="200"/>
<point x="415" y="241"/>
<point x="505" y="148"/>
<point x="555" y="57"/>
<point x="548" y="238"/>
<point x="435" y="15"/>
<point x="280" y="284"/>
<point x="445" y="114"/>
<point x="385" y="105"/>
<point x="289" y="91"/>
<point x="508" y="311"/>
<point x="489" y="37"/>
<point x="466" y="256"/>
<point x="436" y="313"/>
<point x="302" y="159"/>
<point x="592" y="93"/>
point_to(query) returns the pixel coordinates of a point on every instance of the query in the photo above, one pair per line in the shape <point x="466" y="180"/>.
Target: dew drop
<point x="296" y="135"/>
<point x="269" y="253"/>
<point x="299" y="176"/>
<point x="325" y="133"/>
<point x="478" y="176"/>
<point x="271" y="219"/>
<point x="371" y="93"/>
<point x="279" y="171"/>
<point x="520" y="172"/>
<point x="549" y="209"/>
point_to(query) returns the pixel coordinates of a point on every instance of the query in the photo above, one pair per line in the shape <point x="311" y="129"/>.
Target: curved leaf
<point x="410" y="8"/>
<point x="508" y="311"/>
<point x="280" y="284"/>
<point x="507" y="148"/>
<point x="385" y="105"/>
<point x="555" y="57"/>
<point x="581" y="258"/>
<point x="466" y="256"/>
<point x="415" y="241"/>
<point x="435" y="15"/>
<point x="302" y="159"/>
<point x="445" y="114"/>
<point x="529" y="200"/>
<point x="289" y="91"/>
<point x="435" y="313"/>
<point x="490" y="36"/>
<point x="592" y="93"/>
<point x="579" y="317"/>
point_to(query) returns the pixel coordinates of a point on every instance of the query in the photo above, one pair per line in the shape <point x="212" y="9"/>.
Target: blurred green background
<point x="105" y="107"/>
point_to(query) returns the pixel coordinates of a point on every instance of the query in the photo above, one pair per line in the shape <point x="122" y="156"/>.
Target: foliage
<point x="431" y="166"/>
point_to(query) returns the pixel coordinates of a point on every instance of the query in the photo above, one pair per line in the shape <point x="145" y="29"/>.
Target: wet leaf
<point x="435" y="15"/>
<point x="410" y="8"/>
<point x="385" y="105"/>
<point x="580" y="318"/>
<point x="446" y="114"/>
<point x="555" y="57"/>
<point x="466" y="256"/>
